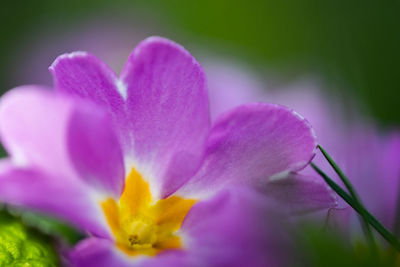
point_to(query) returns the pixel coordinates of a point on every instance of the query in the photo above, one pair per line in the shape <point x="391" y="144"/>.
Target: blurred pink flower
<point x="370" y="158"/>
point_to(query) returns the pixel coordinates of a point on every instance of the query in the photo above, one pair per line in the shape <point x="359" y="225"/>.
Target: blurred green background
<point x="354" y="45"/>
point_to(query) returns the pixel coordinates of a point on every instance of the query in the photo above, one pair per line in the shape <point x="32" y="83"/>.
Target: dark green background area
<point x="353" y="44"/>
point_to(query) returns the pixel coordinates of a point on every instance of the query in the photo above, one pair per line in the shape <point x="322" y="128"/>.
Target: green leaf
<point x="49" y="225"/>
<point x="391" y="238"/>
<point x="356" y="199"/>
<point x="24" y="246"/>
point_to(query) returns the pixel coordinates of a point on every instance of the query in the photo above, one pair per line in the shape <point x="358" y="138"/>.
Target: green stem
<point x="356" y="198"/>
<point x="386" y="234"/>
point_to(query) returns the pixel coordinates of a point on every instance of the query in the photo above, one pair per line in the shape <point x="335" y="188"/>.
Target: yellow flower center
<point x="141" y="226"/>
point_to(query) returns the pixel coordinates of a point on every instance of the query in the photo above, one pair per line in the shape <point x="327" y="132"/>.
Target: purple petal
<point x="251" y="145"/>
<point x="98" y="252"/>
<point x="168" y="108"/>
<point x="33" y="126"/>
<point x="82" y="74"/>
<point x="372" y="165"/>
<point x="62" y="136"/>
<point x="390" y="175"/>
<point x="236" y="228"/>
<point x="301" y="194"/>
<point x="370" y="161"/>
<point x="53" y="195"/>
<point x="164" y="121"/>
<point x="95" y="150"/>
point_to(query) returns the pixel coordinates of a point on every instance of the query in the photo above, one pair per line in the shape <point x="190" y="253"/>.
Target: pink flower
<point x="135" y="162"/>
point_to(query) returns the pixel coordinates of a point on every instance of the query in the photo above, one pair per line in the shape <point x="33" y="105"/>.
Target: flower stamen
<point x="140" y="226"/>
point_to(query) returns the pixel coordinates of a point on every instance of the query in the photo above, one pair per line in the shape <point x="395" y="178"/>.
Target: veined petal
<point x="82" y="74"/>
<point x="53" y="195"/>
<point x="251" y="145"/>
<point x="168" y="110"/>
<point x="62" y="136"/>
<point x="159" y="106"/>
